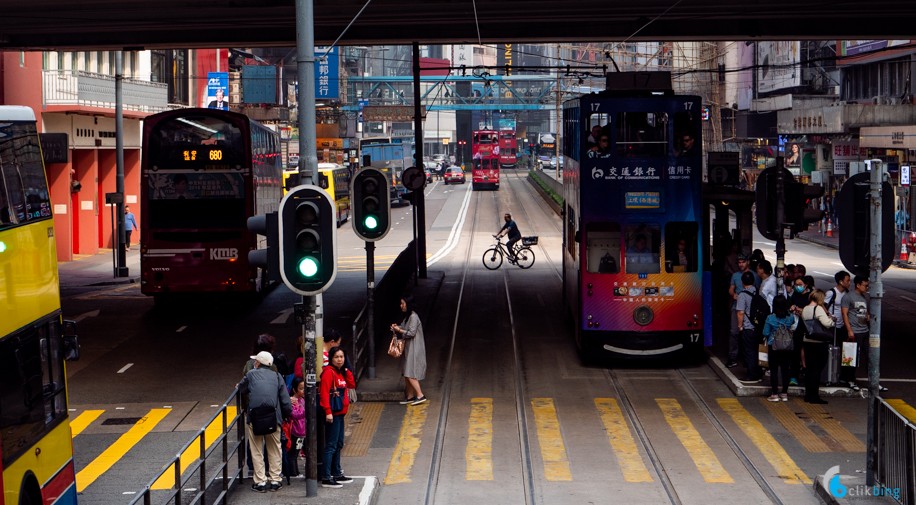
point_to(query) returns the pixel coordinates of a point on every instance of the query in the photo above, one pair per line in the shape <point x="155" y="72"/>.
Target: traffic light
<point x="853" y="208"/>
<point x="267" y="258"/>
<point x="308" y="240"/>
<point x="801" y="207"/>
<point x="371" y="204"/>
<point x="767" y="198"/>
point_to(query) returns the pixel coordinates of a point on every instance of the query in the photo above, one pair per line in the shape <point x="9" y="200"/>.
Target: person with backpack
<point x="779" y="330"/>
<point x="268" y="407"/>
<point x="743" y="309"/>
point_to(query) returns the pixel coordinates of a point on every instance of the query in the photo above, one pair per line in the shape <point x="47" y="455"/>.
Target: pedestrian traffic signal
<point x="308" y="240"/>
<point x="266" y="255"/>
<point x="801" y="206"/>
<point x="371" y="204"/>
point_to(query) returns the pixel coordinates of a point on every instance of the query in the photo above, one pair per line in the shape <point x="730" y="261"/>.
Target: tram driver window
<point x="642" y="253"/>
<point x="681" y="247"/>
<point x="642" y="134"/>
<point x="603" y="248"/>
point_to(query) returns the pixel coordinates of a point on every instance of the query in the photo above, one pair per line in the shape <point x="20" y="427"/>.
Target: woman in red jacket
<point x="335" y="379"/>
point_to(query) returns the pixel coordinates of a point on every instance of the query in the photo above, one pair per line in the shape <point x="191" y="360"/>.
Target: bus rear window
<point x="195" y="142"/>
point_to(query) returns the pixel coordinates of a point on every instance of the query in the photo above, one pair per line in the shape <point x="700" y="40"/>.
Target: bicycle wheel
<point x="492" y="258"/>
<point x="524" y="257"/>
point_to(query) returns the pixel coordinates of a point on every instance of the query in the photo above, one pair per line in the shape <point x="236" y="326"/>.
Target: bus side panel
<point x="29" y="272"/>
<point x="52" y="466"/>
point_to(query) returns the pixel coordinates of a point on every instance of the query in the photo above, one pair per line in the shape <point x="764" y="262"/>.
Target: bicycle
<point x="493" y="257"/>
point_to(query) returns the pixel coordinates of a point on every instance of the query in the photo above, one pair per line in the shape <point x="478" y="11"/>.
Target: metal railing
<point x="896" y="459"/>
<point x="66" y="87"/>
<point x="214" y="481"/>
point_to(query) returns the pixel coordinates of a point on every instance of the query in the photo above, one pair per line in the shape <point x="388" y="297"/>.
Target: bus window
<point x="681" y="247"/>
<point x="602" y="248"/>
<point x="643" y="249"/>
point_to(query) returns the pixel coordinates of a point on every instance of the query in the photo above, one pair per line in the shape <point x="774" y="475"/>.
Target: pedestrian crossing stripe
<point x="192" y="453"/>
<point x="785" y="467"/>
<point x="405" y="452"/>
<point x="479" y="452"/>
<point x="848" y="442"/>
<point x="699" y="451"/>
<point x="621" y="439"/>
<point x="553" y="450"/>
<point x="103" y="462"/>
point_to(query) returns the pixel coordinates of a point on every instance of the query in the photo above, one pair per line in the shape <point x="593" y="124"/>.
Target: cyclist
<point x="514" y="235"/>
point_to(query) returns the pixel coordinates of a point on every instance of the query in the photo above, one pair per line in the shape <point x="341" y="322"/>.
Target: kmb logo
<point x="224" y="253"/>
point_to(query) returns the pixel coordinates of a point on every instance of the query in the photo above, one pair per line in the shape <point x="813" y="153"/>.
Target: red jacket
<point x="329" y="377"/>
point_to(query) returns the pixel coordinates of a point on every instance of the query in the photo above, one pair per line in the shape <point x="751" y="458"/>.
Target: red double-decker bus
<point x="485" y="163"/>
<point x="508" y="148"/>
<point x="204" y="173"/>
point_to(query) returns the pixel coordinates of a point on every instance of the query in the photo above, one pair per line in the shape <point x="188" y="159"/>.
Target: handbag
<point x="763" y="355"/>
<point x="850" y="350"/>
<point x="816" y="330"/>
<point x="263" y="420"/>
<point x="351" y="393"/>
<point x="396" y="347"/>
<point x="336" y="400"/>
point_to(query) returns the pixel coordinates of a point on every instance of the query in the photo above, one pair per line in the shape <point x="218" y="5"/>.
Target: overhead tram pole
<point x="308" y="174"/>
<point x="419" y="197"/>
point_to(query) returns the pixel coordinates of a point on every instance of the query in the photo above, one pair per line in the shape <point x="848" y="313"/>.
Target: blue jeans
<point x="333" y="444"/>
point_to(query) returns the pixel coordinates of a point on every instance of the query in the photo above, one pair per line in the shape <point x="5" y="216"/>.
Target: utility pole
<point x="876" y="290"/>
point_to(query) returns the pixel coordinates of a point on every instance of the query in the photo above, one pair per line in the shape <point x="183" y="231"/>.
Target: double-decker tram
<point x="485" y="162"/>
<point x="508" y="148"/>
<point x="36" y="451"/>
<point x="633" y="222"/>
<point x="204" y="172"/>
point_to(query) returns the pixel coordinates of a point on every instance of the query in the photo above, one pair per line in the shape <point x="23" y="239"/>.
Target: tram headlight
<point x="643" y="315"/>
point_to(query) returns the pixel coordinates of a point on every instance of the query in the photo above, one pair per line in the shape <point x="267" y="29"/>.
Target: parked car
<point x="429" y="168"/>
<point x="454" y="175"/>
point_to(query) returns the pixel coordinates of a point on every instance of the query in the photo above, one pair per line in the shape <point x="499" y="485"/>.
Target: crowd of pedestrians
<point x="273" y="397"/>
<point x="842" y="314"/>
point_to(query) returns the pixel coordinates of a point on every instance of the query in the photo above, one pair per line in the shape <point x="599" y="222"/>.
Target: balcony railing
<point x="65" y="87"/>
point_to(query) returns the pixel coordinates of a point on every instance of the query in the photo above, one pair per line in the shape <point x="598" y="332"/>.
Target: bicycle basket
<point x="529" y="241"/>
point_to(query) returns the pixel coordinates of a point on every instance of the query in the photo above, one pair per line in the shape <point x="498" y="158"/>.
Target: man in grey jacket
<point x="266" y="389"/>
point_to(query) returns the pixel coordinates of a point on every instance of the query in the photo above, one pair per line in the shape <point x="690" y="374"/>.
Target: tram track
<point x="491" y="199"/>
<point x="691" y="392"/>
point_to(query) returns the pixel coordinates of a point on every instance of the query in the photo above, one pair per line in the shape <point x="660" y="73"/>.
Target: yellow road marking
<point x="787" y="470"/>
<point x="83" y="421"/>
<point x="622" y="442"/>
<point x="117" y="450"/>
<point x="213" y="431"/>
<point x="363" y="418"/>
<point x="848" y="441"/>
<point x="903" y="408"/>
<point x="553" y="451"/>
<point x="479" y="452"/>
<point x="701" y="454"/>
<point x="405" y="452"/>
<point x="797" y="427"/>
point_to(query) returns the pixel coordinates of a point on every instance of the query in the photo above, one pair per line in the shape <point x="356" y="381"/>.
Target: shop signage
<point x="888" y="137"/>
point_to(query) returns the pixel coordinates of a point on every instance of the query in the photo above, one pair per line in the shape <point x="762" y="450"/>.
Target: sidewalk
<point x="818" y="237"/>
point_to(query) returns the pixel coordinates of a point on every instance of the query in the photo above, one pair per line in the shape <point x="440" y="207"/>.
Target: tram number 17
<point x="694" y="338"/>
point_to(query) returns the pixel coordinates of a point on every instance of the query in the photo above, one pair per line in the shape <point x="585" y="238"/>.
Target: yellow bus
<point x="36" y="452"/>
<point x="333" y="178"/>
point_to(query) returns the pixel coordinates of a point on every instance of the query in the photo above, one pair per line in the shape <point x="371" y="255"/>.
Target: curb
<point x="821" y="492"/>
<point x="762" y="388"/>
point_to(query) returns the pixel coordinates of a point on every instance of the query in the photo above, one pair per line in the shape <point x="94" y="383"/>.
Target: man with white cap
<point x="268" y="406"/>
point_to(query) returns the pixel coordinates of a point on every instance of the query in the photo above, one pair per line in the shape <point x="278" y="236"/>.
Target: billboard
<point x="327" y="83"/>
<point x="217" y="91"/>
<point x="778" y="65"/>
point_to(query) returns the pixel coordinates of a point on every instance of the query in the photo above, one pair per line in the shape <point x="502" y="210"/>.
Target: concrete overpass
<point x="144" y="24"/>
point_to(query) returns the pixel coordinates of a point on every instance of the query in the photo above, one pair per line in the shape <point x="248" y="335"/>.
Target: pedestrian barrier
<point x="896" y="459"/>
<point x="214" y="484"/>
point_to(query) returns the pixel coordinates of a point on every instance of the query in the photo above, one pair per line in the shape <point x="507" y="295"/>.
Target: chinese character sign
<point x="326" y="73"/>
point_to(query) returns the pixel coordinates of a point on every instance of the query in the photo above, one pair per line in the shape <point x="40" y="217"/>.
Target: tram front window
<point x="642" y="255"/>
<point x="603" y="248"/>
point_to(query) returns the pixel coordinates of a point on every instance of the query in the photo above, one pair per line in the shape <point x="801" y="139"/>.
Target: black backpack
<point x="760" y="309"/>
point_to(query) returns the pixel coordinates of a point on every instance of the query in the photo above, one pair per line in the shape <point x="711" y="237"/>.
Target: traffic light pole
<point x="370" y="304"/>
<point x="419" y="197"/>
<point x="876" y="290"/>
<point x="779" y="272"/>
<point x="311" y="395"/>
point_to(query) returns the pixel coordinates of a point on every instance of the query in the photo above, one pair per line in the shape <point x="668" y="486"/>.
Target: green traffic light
<point x="308" y="266"/>
<point x="370" y="222"/>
